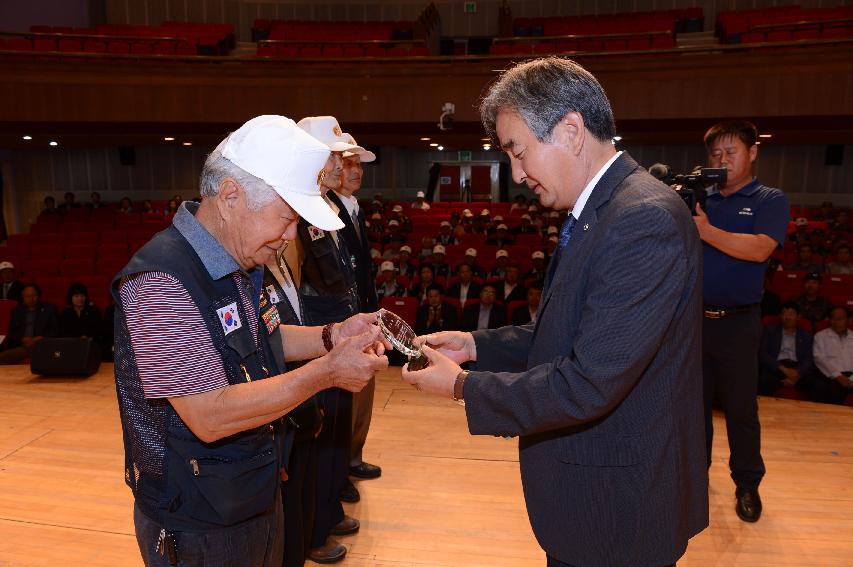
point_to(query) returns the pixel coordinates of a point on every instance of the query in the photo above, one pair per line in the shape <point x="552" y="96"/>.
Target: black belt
<point x="712" y="312"/>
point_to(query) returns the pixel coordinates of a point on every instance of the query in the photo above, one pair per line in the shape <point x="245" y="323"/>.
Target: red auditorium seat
<point x="500" y="49"/>
<point x="779" y="35"/>
<point x="19" y="44"/>
<point x="638" y="43"/>
<point x="120" y="47"/>
<point x="141" y="48"/>
<point x="663" y="42"/>
<point x="70" y="45"/>
<point x="353" y="51"/>
<point x="267" y="50"/>
<point x="73" y="267"/>
<point x="76" y="249"/>
<point x="94" y="46"/>
<point x="397" y="52"/>
<point x="834" y="32"/>
<point x="405" y="307"/>
<point x="419" y="52"/>
<point x="37" y="268"/>
<point x="333" y="51"/>
<point x="809" y="33"/>
<point x="310" y="51"/>
<point x="512" y="306"/>
<point x="52" y="251"/>
<point x="375" y="51"/>
<point x="44" y="44"/>
<point x="545" y="47"/>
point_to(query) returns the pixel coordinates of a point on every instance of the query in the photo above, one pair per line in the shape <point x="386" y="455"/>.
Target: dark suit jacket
<point x="521" y="315"/>
<point x="328" y="285"/>
<point x="771" y="343"/>
<point x="518" y="292"/>
<point x="605" y="389"/>
<point x="473" y="291"/>
<point x="471" y="316"/>
<point x="14" y="291"/>
<point x="448" y="317"/>
<point x="46" y="324"/>
<point x="360" y="248"/>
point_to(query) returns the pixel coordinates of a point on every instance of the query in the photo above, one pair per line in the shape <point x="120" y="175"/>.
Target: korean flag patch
<point x="316" y="233"/>
<point x="229" y="318"/>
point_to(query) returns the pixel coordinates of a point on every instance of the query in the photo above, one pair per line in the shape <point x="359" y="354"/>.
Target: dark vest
<point x="178" y="480"/>
<point x="328" y="286"/>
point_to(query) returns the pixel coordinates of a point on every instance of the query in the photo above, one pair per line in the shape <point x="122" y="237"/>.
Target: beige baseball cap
<point x="364" y="154"/>
<point x="386" y="265"/>
<point x="327" y="130"/>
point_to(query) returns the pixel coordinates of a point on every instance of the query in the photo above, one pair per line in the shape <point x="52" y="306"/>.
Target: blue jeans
<point x="258" y="542"/>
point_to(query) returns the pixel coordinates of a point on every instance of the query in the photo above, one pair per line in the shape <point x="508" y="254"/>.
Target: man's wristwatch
<point x="459" y="387"/>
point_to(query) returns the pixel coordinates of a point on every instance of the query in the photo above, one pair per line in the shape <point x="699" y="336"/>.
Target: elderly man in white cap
<point x="329" y="292"/>
<point x="420" y="202"/>
<point x="355" y="235"/>
<point x="388" y="286"/>
<point x="10" y="287"/>
<point x="199" y="389"/>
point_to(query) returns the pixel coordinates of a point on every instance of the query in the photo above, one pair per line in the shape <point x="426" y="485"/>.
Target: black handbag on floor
<point x="65" y="357"/>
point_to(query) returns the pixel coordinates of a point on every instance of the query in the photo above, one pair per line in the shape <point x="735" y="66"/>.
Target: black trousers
<point x="553" y="562"/>
<point x="770" y="380"/>
<point x="298" y="496"/>
<point x="828" y="391"/>
<point x="333" y="456"/>
<point x="730" y="373"/>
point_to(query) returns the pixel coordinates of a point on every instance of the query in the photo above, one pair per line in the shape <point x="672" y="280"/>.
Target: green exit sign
<point x="464" y="155"/>
<point x="470" y="7"/>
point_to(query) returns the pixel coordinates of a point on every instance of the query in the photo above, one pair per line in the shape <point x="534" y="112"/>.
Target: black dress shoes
<point x="330" y="552"/>
<point x="347" y="526"/>
<point x="365" y="471"/>
<point x="748" y="505"/>
<point x="350" y="493"/>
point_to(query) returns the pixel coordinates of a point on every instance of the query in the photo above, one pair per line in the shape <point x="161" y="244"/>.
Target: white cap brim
<point x="313" y="208"/>
<point x="366" y="155"/>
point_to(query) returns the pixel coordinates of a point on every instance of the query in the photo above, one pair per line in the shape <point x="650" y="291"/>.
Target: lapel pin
<point x="585" y="227"/>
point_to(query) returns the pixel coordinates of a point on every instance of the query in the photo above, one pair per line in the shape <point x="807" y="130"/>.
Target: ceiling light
<point x="757" y="143"/>
<point x="765" y="135"/>
<point x="425" y="139"/>
<point x="440" y="148"/>
<point x="52" y="143"/>
<point x="187" y="143"/>
<point x="28" y="137"/>
<point x="487" y="147"/>
<point x="169" y="139"/>
<point x="433" y="145"/>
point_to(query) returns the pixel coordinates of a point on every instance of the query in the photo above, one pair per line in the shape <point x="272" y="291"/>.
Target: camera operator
<point x="742" y="224"/>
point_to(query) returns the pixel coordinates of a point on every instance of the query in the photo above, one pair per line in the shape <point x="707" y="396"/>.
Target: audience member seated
<point x="466" y="287"/>
<point x="439" y="267"/>
<point x="147" y="206"/>
<point x="501" y="262"/>
<point x="471" y="259"/>
<point x="49" y="207"/>
<point x="511" y="289"/>
<point x="391" y="251"/>
<point x="502" y="237"/>
<point x="95" y="201"/>
<point x="520" y="203"/>
<point x="125" y="206"/>
<point x="426" y="276"/>
<point x="420" y="203"/>
<point x="526" y="226"/>
<point x="445" y="234"/>
<point x="437" y="315"/>
<point x="389" y="287"/>
<point x="70" y="202"/>
<point x="375" y="228"/>
<point x="524" y="314"/>
<point x="813" y="306"/>
<point x="800" y="235"/>
<point x="30" y="322"/>
<point x="842" y="222"/>
<point x="827" y="212"/>
<point x="80" y="318"/>
<point x="771" y="303"/>
<point x="486" y="314"/>
<point x="539" y="268"/>
<point x="10" y="287"/>
<point x="842" y="263"/>
<point x="785" y="356"/>
<point x="393" y="233"/>
<point x="833" y="356"/>
<point x="405" y="267"/>
<point x="805" y="261"/>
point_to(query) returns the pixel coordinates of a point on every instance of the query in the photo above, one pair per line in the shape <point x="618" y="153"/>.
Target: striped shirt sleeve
<point x="173" y="349"/>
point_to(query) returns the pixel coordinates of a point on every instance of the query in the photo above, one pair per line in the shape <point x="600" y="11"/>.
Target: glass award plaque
<point x="401" y="335"/>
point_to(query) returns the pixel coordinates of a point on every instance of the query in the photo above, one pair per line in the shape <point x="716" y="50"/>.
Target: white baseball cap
<point x="364" y="154"/>
<point x="273" y="149"/>
<point x="397" y="209"/>
<point x="420" y="194"/>
<point x="374" y="253"/>
<point x="553" y="230"/>
<point x="501" y="254"/>
<point x="553" y="238"/>
<point x="376" y="216"/>
<point x="386" y="265"/>
<point x="484" y="213"/>
<point x="532" y="208"/>
<point x="801" y="221"/>
<point x="502" y="227"/>
<point x="445" y="223"/>
<point x="327" y="130"/>
<point x="467" y="213"/>
<point x="471" y="252"/>
<point x="6" y="266"/>
<point x="393" y="222"/>
<point x="497" y="218"/>
<point x="526" y="216"/>
<point x="538" y="255"/>
<point x="406" y="248"/>
<point x="438" y="249"/>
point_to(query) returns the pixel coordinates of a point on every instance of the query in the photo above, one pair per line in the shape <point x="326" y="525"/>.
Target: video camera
<point x="690" y="187"/>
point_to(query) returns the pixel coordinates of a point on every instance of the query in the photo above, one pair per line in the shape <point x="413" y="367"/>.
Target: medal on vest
<point x="273" y="294"/>
<point x="271" y="318"/>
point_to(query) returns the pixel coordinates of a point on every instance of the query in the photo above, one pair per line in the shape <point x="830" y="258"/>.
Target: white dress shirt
<point x="587" y="191"/>
<point x="833" y="354"/>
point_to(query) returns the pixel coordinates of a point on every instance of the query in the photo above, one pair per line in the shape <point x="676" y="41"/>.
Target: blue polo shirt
<point x="755" y="209"/>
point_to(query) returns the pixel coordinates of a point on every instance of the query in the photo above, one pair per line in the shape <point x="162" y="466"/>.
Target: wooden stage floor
<point x="445" y="498"/>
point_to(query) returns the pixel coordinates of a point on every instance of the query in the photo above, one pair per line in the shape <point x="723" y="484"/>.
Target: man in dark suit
<point x="785" y="356"/>
<point x="511" y="289"/>
<point x="604" y="391"/>
<point x="466" y="288"/>
<point x="355" y="234"/>
<point x="10" y="287"/>
<point x="524" y="314"/>
<point x="29" y="323"/>
<point x="437" y="315"/>
<point x="486" y="314"/>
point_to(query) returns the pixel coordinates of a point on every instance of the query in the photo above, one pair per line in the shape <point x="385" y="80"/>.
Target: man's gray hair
<point x="217" y="169"/>
<point x="542" y="92"/>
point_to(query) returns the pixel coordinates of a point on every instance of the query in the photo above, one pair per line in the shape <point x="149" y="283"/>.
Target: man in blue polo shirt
<point x="744" y="223"/>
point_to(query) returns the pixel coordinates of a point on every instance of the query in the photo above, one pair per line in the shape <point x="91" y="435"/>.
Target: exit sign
<point x="464" y="155"/>
<point x="470" y="7"/>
